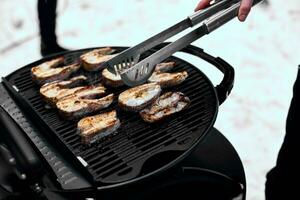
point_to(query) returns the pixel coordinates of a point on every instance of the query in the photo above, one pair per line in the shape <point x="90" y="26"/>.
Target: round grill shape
<point x="139" y="149"/>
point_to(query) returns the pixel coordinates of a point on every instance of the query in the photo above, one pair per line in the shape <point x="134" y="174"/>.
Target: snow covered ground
<point x="264" y="52"/>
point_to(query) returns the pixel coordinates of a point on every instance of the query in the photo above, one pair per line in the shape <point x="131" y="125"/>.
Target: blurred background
<point x="264" y="52"/>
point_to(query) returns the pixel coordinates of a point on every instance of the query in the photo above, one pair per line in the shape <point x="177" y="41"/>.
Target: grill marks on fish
<point x="75" y="107"/>
<point x="75" y="101"/>
<point x="166" y="105"/>
<point x="137" y="98"/>
<point x="52" y="70"/>
<point x="166" y="80"/>
<point x="49" y="71"/>
<point x="78" y="101"/>
<point x="52" y="92"/>
<point x="98" y="127"/>
<point x="89" y="92"/>
<point x="93" y="60"/>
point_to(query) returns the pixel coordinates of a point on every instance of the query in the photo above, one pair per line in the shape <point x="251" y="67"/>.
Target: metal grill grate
<point x="123" y="156"/>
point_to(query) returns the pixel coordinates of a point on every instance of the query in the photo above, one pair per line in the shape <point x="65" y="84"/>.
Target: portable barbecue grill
<point x="38" y="143"/>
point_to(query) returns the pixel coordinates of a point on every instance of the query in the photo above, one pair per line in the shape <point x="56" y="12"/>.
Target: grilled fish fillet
<point x="164" y="67"/>
<point x="137" y="98"/>
<point x="113" y="80"/>
<point x="93" y="60"/>
<point x="166" y="105"/>
<point x="84" y="92"/>
<point x="48" y="71"/>
<point x="168" y="79"/>
<point x="73" y="108"/>
<point x="51" y="91"/>
<point x="98" y="127"/>
<point x="87" y="92"/>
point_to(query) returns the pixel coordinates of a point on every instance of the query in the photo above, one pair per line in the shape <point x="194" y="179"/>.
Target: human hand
<point x="243" y="11"/>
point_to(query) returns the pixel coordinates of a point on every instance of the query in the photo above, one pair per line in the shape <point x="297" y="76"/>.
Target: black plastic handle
<point x="26" y="159"/>
<point x="224" y="88"/>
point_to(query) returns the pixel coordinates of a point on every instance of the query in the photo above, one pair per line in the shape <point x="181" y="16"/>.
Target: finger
<point x="202" y="4"/>
<point x="245" y="9"/>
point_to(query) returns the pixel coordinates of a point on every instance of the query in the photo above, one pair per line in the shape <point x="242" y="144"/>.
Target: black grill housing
<point x="133" y="152"/>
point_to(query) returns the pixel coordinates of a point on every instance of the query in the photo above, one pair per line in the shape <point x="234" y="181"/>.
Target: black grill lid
<point x="133" y="152"/>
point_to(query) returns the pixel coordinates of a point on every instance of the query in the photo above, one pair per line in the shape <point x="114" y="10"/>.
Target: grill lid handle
<point x="224" y="88"/>
<point x="27" y="164"/>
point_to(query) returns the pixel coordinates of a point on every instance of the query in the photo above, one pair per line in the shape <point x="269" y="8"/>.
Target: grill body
<point x="139" y="150"/>
<point x="124" y="156"/>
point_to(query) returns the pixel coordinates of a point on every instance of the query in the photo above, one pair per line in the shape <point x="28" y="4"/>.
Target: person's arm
<point x="243" y="11"/>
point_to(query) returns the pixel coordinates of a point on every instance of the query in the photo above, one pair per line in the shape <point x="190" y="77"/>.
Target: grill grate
<point x="122" y="157"/>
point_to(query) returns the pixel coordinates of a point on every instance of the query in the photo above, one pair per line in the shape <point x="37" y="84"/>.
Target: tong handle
<point x="202" y="15"/>
<point x="215" y="21"/>
<point x="224" y="16"/>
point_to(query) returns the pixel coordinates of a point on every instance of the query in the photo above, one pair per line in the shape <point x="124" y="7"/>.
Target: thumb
<point x="245" y="9"/>
<point x="202" y="4"/>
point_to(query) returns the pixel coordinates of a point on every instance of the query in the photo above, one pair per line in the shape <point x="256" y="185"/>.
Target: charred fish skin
<point x="89" y="92"/>
<point x="166" y="80"/>
<point x="98" y="127"/>
<point x="50" y="91"/>
<point x="65" y="93"/>
<point x="93" y="60"/>
<point x="49" y="71"/>
<point x="137" y="98"/>
<point x="83" y="92"/>
<point x="55" y="91"/>
<point x="74" y="108"/>
<point x="166" y="105"/>
<point x="73" y="82"/>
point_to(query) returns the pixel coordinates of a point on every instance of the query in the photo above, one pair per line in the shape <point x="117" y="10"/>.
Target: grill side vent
<point x="66" y="176"/>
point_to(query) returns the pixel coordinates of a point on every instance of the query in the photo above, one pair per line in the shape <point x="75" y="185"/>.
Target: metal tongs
<point x="134" y="72"/>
